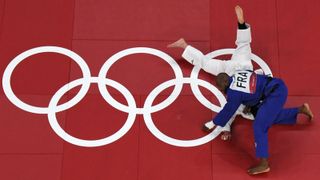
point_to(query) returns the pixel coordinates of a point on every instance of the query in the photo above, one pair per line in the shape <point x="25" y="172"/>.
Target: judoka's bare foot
<point x="226" y="135"/>
<point x="262" y="167"/>
<point x="305" y="109"/>
<point x="239" y="14"/>
<point x="181" y="43"/>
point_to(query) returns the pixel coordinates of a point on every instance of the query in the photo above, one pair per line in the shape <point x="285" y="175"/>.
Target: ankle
<point x="264" y="162"/>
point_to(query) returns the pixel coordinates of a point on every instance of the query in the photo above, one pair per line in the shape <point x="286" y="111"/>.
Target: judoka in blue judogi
<point x="266" y="97"/>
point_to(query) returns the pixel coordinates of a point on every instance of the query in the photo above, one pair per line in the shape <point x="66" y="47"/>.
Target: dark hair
<point x="222" y="79"/>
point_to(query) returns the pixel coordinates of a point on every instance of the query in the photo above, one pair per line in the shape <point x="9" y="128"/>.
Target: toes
<point x="308" y="110"/>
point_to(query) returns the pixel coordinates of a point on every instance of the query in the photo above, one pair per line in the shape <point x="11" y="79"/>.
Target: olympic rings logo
<point x="131" y="108"/>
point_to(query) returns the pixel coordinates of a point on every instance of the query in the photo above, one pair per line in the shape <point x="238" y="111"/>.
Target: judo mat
<point x="122" y="113"/>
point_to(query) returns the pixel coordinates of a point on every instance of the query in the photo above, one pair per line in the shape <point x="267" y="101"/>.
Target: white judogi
<point x="240" y="60"/>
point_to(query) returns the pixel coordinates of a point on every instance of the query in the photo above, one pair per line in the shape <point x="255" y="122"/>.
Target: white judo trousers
<point x="240" y="60"/>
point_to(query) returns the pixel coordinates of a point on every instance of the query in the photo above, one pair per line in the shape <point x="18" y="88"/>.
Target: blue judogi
<point x="266" y="93"/>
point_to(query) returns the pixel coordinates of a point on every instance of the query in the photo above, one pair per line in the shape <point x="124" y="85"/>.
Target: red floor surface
<point x="285" y="34"/>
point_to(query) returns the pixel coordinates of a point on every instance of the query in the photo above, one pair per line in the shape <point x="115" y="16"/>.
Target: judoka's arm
<point x="233" y="102"/>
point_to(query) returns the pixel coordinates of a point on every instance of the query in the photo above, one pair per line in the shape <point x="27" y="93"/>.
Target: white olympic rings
<point x="131" y="108"/>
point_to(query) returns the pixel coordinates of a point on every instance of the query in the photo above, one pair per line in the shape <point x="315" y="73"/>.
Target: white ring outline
<point x="172" y="141"/>
<point x="90" y="143"/>
<point x="6" y="80"/>
<point x="107" y="65"/>
<point x="131" y="108"/>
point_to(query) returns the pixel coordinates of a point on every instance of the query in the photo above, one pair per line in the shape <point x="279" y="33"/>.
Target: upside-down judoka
<point x="240" y="60"/>
<point x="264" y="95"/>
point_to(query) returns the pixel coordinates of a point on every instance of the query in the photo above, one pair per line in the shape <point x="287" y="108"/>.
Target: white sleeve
<point x="197" y="58"/>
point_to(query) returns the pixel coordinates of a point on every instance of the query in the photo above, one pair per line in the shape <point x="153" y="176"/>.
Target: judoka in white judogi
<point x="240" y="60"/>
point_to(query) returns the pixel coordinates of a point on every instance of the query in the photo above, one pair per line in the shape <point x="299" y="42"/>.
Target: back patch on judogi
<point x="244" y="81"/>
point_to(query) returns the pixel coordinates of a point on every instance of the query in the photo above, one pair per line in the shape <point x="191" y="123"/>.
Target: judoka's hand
<point x="226" y="135"/>
<point x="247" y="110"/>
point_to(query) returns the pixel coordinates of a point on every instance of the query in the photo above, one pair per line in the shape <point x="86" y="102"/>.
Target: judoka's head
<point x="222" y="81"/>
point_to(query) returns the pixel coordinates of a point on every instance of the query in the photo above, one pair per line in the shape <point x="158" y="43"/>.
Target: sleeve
<point x="233" y="103"/>
<point x="227" y="127"/>
<point x="197" y="58"/>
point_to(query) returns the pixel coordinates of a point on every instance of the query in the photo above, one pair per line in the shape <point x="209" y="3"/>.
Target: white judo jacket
<point x="240" y="60"/>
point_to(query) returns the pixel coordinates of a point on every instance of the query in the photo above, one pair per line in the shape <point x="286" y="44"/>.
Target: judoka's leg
<point x="243" y="44"/>
<point x="289" y="115"/>
<point x="266" y="116"/>
<point x="197" y="58"/>
<point x="241" y="57"/>
<point x="243" y="35"/>
<point x="261" y="125"/>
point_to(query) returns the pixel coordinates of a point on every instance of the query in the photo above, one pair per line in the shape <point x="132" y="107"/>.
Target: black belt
<point x="254" y="109"/>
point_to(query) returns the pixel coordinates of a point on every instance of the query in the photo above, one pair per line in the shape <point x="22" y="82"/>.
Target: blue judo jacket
<point x="246" y="88"/>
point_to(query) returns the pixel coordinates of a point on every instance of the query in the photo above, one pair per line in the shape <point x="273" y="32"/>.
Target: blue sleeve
<point x="233" y="103"/>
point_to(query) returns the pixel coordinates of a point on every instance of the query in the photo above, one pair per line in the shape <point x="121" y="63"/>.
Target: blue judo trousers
<point x="268" y="95"/>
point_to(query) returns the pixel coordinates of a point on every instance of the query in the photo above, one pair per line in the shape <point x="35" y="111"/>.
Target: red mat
<point x="285" y="35"/>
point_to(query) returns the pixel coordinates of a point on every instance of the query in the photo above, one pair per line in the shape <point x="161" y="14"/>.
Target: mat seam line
<point x="278" y="41"/>
<point x="69" y="79"/>
<point x="211" y="44"/>
<point x="12" y="154"/>
<point x="138" y="158"/>
<point x="2" y="18"/>
<point x="31" y="94"/>
<point x="133" y="40"/>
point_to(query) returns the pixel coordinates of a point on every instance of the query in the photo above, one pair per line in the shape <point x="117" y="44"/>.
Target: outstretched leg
<point x="285" y="116"/>
<point x="289" y="115"/>
<point x="240" y="61"/>
<point x="241" y="57"/>
<point x="180" y="43"/>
